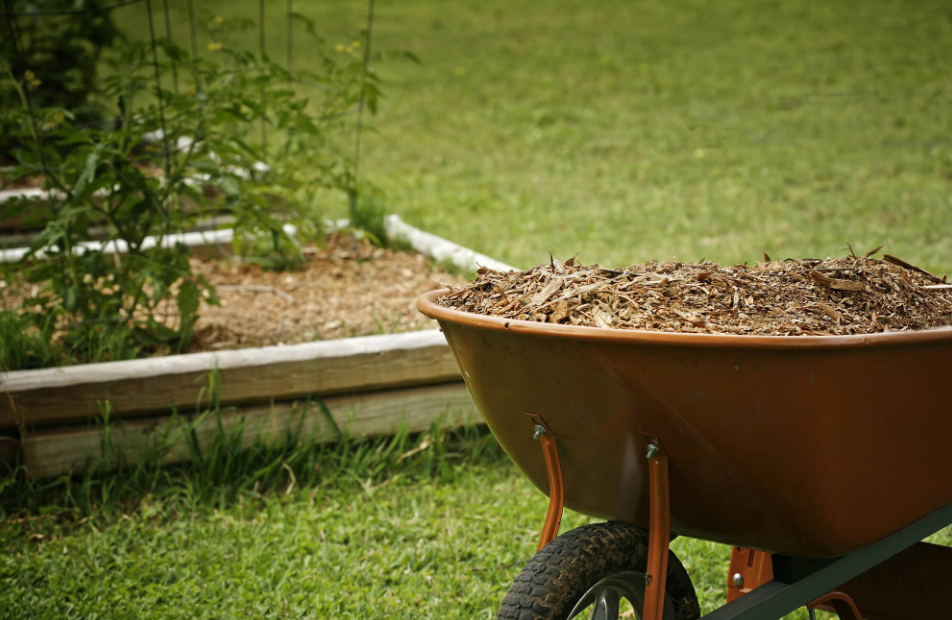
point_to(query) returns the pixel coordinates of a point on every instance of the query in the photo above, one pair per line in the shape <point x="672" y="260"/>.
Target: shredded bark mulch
<point x="347" y="288"/>
<point x="834" y="296"/>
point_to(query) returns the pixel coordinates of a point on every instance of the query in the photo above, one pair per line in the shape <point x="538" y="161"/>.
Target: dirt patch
<point x="852" y="295"/>
<point x="22" y="183"/>
<point x="348" y="288"/>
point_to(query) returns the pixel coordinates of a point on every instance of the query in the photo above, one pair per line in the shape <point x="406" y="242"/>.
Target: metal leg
<point x="812" y="613"/>
<point x="659" y="533"/>
<point x="553" y="516"/>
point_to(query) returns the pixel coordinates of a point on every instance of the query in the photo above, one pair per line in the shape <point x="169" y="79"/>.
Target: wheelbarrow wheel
<point x="592" y="568"/>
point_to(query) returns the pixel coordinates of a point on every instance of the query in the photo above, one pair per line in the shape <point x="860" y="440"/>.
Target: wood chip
<point x="560" y="312"/>
<point x="898" y="261"/>
<point x="602" y="318"/>
<point x="831" y="311"/>
<point x="783" y="298"/>
<point x="550" y="289"/>
<point x="836" y="283"/>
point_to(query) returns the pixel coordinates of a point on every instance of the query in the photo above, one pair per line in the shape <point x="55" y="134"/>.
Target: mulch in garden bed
<point x="347" y="288"/>
<point x="834" y="296"/>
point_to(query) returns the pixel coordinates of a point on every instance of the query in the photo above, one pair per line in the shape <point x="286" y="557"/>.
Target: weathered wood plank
<point x="37" y="398"/>
<point x="49" y="453"/>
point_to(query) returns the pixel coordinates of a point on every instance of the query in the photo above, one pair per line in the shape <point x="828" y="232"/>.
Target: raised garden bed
<point x="367" y="385"/>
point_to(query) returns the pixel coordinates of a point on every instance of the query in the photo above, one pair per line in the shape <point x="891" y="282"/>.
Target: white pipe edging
<point x="439" y="248"/>
<point x="29" y="193"/>
<point x="191" y="239"/>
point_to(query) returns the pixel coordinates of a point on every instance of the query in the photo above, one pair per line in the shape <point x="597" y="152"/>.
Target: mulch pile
<point x="841" y="296"/>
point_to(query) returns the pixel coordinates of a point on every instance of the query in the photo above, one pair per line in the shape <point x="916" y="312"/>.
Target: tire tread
<point x="556" y="577"/>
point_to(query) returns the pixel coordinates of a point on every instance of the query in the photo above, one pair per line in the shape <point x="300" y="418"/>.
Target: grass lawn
<point x="369" y="539"/>
<point x="422" y="549"/>
<point x="622" y="133"/>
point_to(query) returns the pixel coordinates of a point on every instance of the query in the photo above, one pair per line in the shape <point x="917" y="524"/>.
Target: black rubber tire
<point x="564" y="570"/>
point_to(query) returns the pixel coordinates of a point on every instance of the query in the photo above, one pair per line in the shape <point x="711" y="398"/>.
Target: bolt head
<point x="738" y="580"/>
<point x="653" y="449"/>
<point x="539" y="432"/>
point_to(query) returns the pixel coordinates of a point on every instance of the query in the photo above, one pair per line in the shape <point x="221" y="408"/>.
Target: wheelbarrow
<point x="823" y="461"/>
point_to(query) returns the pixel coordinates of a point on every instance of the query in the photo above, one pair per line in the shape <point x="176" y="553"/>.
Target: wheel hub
<point x="605" y="596"/>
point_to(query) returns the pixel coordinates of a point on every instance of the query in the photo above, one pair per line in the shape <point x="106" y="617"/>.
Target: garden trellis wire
<point x="123" y="158"/>
<point x="11" y="15"/>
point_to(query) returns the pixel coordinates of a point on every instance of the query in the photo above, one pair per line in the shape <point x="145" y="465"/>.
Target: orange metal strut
<point x="749" y="569"/>
<point x="841" y="603"/>
<point x="659" y="533"/>
<point x="553" y="516"/>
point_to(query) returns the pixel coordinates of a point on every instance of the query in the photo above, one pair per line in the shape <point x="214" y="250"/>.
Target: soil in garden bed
<point x="852" y="295"/>
<point x="347" y="288"/>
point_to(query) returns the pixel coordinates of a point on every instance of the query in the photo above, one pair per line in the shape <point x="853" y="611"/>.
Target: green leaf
<point x="372" y="95"/>
<point x="305" y="123"/>
<point x="71" y="298"/>
<point x="146" y="337"/>
<point x="42" y="272"/>
<point x="88" y="173"/>
<point x="208" y="291"/>
<point x="230" y="186"/>
<point x="188" y="298"/>
<point x="16" y="206"/>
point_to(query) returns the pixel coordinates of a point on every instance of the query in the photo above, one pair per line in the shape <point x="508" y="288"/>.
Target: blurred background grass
<point x="657" y="129"/>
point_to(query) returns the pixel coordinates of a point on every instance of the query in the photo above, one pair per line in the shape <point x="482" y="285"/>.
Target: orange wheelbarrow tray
<point x="829" y="452"/>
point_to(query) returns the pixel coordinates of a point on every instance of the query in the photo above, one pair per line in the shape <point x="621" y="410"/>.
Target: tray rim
<point x="426" y="304"/>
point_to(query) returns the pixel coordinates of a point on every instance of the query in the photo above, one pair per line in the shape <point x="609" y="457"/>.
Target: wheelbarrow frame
<point x="794" y="582"/>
